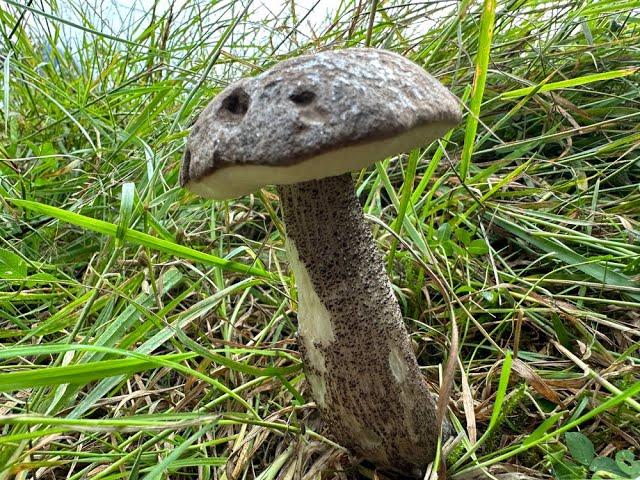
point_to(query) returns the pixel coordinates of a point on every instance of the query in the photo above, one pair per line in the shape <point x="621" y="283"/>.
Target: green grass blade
<point x="570" y="83"/>
<point x="487" y="25"/>
<point x="592" y="267"/>
<point x="139" y="238"/>
<point x="81" y="374"/>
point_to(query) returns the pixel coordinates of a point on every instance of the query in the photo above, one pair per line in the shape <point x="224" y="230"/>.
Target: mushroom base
<point x="356" y="350"/>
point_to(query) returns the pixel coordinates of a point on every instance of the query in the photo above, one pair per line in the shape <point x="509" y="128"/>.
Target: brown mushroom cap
<point x="312" y="117"/>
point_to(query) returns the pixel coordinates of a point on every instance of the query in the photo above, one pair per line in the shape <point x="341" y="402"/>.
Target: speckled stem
<point x="357" y="354"/>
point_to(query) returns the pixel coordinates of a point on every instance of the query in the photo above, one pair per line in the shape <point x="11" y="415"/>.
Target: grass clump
<point x="150" y="334"/>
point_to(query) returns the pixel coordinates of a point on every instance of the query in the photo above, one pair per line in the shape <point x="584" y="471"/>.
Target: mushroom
<point x="304" y="125"/>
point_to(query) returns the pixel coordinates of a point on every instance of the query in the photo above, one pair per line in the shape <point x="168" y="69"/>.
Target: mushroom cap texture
<point x="314" y="116"/>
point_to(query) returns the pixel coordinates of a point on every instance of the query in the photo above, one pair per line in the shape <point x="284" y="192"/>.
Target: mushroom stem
<point x="357" y="354"/>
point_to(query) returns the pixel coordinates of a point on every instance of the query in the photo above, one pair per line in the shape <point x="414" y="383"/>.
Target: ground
<point x="149" y="333"/>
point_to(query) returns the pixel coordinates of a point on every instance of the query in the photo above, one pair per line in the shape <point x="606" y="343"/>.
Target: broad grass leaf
<point x="478" y="247"/>
<point x="11" y="265"/>
<point x="542" y="429"/>
<point x="580" y="447"/>
<point x="625" y="459"/>
<point x="605" y="464"/>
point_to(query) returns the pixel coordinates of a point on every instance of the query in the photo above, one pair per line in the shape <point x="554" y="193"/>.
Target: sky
<point x="127" y="19"/>
<point x="118" y="14"/>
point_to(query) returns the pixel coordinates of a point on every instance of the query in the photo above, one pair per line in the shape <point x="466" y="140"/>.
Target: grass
<point x="147" y="333"/>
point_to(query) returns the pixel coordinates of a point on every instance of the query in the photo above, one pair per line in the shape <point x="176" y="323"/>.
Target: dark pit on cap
<point x="304" y="97"/>
<point x="236" y="103"/>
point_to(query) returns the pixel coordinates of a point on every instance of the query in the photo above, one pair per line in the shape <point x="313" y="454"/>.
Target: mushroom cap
<point x="312" y="117"/>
